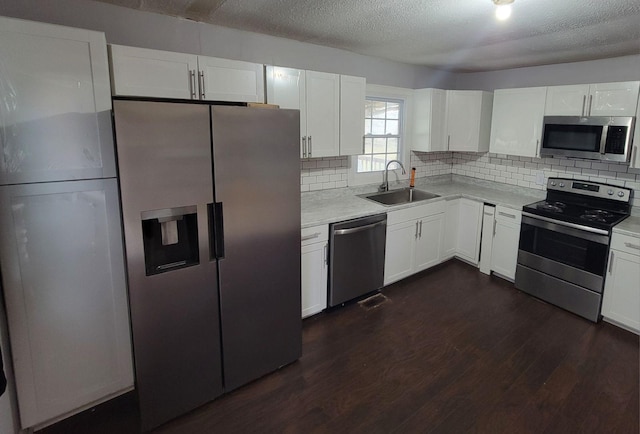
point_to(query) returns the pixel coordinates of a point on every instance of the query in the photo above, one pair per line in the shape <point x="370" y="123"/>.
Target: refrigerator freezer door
<point x="257" y="180"/>
<point x="55" y="104"/>
<point x="164" y="155"/>
<point x="64" y="288"/>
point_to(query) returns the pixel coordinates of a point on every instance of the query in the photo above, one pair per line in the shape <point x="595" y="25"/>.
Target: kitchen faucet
<point x="385" y="179"/>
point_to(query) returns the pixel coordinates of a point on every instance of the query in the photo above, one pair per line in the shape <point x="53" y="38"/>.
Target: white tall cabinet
<point x="61" y="247"/>
<point x="621" y="300"/>
<point x="600" y="99"/>
<point x="517" y="121"/>
<point x="164" y="74"/>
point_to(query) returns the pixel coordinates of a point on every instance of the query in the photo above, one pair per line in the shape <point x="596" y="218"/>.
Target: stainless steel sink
<point x="398" y="197"/>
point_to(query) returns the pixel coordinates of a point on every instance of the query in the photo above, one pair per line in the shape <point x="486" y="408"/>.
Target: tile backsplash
<point x="327" y="173"/>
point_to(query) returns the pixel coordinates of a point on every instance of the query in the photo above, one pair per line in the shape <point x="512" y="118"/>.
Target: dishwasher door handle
<point x="358" y="229"/>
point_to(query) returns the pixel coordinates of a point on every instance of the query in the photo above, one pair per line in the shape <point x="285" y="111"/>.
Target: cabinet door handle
<point x="304" y="146"/>
<point x="634" y="155"/>
<point x="364" y="139"/>
<point x="310" y="147"/>
<point x="632" y="246"/>
<point x="448" y="141"/>
<point x="584" y="103"/>
<point x="420" y="233"/>
<point x="192" y="83"/>
<point x="611" y="262"/>
<point x="310" y="237"/>
<point x="494" y="228"/>
<point x="507" y="215"/>
<point x="590" y="101"/>
<point x="201" y="83"/>
<point x="416" y="235"/>
<point x="326" y="254"/>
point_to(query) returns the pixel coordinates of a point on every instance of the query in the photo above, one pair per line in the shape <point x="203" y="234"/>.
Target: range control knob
<point x="621" y="193"/>
<point x="610" y="192"/>
<point x="561" y="184"/>
<point x="553" y="183"/>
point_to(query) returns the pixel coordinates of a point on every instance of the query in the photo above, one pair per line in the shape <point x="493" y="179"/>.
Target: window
<point x="382" y="140"/>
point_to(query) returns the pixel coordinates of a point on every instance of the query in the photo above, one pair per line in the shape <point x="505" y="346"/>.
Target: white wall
<point x="626" y="68"/>
<point x="149" y="30"/>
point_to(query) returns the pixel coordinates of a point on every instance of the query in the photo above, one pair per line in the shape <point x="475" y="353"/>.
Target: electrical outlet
<point x="539" y="177"/>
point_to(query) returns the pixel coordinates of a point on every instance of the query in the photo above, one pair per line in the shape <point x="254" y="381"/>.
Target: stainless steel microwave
<point x="605" y="138"/>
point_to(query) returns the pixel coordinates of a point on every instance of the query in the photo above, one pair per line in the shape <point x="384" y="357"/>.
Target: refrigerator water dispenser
<point x="170" y="238"/>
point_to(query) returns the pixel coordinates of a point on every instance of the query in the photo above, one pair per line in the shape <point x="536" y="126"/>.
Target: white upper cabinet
<point x="323" y="114"/>
<point x="600" y="99"/>
<point x="429" y="120"/>
<point x="55" y="116"/>
<point x="517" y="121"/>
<point x="468" y="120"/>
<point x="352" y="99"/>
<point x="454" y="120"/>
<point x="164" y="74"/>
<point x="331" y="109"/>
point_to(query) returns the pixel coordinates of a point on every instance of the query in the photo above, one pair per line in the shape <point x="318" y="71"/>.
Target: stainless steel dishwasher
<point x="356" y="257"/>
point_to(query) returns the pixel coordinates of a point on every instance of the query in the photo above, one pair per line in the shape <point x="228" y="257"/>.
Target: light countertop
<point x="328" y="206"/>
<point x="629" y="226"/>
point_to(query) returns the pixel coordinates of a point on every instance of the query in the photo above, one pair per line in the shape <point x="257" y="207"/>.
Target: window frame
<point x="406" y="97"/>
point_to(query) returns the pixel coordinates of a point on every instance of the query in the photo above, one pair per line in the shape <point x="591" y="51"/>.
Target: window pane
<point x="379" y="161"/>
<point x="393" y="110"/>
<point x="392" y="157"/>
<point x="379" y="145"/>
<point x="377" y="126"/>
<point x="368" y="143"/>
<point x="392" y="127"/>
<point x="368" y="109"/>
<point x="367" y="126"/>
<point x="379" y="109"/>
<point x="364" y="163"/>
<point x="392" y="145"/>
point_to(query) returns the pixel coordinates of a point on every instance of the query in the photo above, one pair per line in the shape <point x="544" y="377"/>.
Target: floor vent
<point x="373" y="301"/>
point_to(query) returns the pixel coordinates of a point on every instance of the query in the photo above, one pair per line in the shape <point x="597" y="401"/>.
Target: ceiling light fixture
<point x="503" y="9"/>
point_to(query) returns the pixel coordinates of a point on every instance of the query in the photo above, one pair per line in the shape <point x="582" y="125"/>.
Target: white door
<point x="55" y="115"/>
<point x="567" y="100"/>
<point x="65" y="294"/>
<point x="451" y="223"/>
<point x="153" y="73"/>
<point x="428" y="241"/>
<point x="400" y="251"/>
<point x="470" y="214"/>
<point x="516" y="126"/>
<point x="323" y="114"/>
<point x="230" y="80"/>
<point x="621" y="301"/>
<point x="314" y="278"/>
<point x="613" y="99"/>
<point x="429" y="120"/>
<point x="463" y="119"/>
<point x="352" y="98"/>
<point x="286" y="88"/>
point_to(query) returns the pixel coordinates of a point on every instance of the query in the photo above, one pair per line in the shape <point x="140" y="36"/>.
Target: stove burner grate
<point x="557" y="207"/>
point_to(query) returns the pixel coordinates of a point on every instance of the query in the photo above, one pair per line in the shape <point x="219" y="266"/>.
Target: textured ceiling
<point x="461" y="35"/>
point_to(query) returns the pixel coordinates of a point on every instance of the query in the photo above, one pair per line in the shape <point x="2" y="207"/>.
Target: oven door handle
<point x="592" y="234"/>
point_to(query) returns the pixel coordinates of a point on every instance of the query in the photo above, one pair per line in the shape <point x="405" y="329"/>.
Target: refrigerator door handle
<point x="216" y="230"/>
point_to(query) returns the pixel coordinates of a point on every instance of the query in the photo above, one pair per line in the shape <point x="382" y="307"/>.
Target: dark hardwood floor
<point x="451" y="351"/>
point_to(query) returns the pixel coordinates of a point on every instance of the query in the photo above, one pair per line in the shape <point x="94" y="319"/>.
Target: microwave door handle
<point x="603" y="139"/>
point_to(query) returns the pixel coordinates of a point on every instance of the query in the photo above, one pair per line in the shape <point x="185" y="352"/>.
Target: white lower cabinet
<point x="506" y="236"/>
<point x="469" y="227"/>
<point x="451" y="218"/>
<point x="621" y="302"/>
<point x="414" y="239"/>
<point x="314" y="269"/>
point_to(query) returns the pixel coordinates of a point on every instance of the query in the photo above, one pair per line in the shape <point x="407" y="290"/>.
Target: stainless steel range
<point x="564" y="243"/>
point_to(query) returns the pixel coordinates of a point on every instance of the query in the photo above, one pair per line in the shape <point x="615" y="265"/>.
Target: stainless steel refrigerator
<point x="211" y="206"/>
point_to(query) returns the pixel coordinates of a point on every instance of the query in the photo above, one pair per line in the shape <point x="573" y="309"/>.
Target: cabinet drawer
<point x="625" y="243"/>
<point x="415" y="212"/>
<point x="314" y="234"/>
<point x="508" y="215"/>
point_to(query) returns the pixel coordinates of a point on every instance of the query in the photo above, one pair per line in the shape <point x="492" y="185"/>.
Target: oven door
<point x="573" y="253"/>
